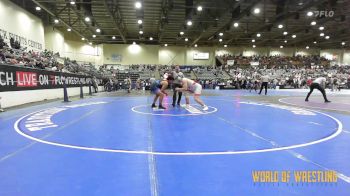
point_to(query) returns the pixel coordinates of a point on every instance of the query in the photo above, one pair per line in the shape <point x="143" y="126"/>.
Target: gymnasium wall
<point x="130" y="54"/>
<point x="190" y="53"/>
<point x="230" y="50"/>
<point x="21" y="25"/>
<point x="346" y="57"/>
<point x="281" y="52"/>
<point x="83" y="52"/>
<point x="54" y="40"/>
<point x="154" y="54"/>
<point x="175" y="55"/>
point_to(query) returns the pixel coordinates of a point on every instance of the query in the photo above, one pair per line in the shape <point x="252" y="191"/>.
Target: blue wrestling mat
<point x="121" y="146"/>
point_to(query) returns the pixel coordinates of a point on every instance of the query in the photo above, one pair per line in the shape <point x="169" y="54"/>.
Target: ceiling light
<point x="313" y="23"/>
<point x="113" y="37"/>
<point x="90" y="43"/>
<point x="285" y="33"/>
<point x="310" y="13"/>
<point x="165" y="45"/>
<point x="151" y="38"/>
<point x="307" y="47"/>
<point x="280" y="26"/>
<point x="37" y="8"/>
<point x="256" y="11"/>
<point x="327" y="37"/>
<point x="69" y="29"/>
<point x="87" y="19"/>
<point x="186" y="39"/>
<point x="133" y="43"/>
<point x="139" y="21"/>
<point x="321" y="34"/>
<point x="56" y="21"/>
<point x="140" y="32"/>
<point x="253" y="40"/>
<point x="189" y="23"/>
<point x="225" y="46"/>
<point x="321" y="28"/>
<point x="285" y="41"/>
<point x="83" y="38"/>
<point x="138" y="5"/>
<point x="72" y="2"/>
<point x="98" y="30"/>
<point x="294" y="36"/>
<point x="235" y="24"/>
<point x="343" y="43"/>
<point x="220" y="40"/>
<point x="258" y="35"/>
<point x="221" y="34"/>
<point x="93" y="36"/>
<point x="181" y="33"/>
<point x="281" y="46"/>
<point x="254" y="46"/>
<point x="315" y="42"/>
<point x="200" y="8"/>
<point x="196" y="45"/>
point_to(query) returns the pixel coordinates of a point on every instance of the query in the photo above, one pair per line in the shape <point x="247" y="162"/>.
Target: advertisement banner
<point x="14" y="78"/>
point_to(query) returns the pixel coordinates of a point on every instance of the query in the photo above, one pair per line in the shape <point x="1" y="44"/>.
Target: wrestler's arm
<point x="183" y="88"/>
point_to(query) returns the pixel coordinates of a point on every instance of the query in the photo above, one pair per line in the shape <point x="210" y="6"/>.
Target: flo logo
<point x="324" y="13"/>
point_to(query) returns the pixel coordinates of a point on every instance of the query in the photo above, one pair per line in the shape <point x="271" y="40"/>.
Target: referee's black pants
<point x="175" y="92"/>
<point x="264" y="84"/>
<point x="319" y="87"/>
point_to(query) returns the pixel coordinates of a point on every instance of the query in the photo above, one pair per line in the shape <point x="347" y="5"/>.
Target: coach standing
<point x="320" y="84"/>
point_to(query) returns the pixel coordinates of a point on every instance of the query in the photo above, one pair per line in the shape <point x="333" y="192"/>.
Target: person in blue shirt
<point x="158" y="88"/>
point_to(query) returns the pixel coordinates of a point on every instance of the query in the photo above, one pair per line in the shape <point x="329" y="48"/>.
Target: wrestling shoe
<point x="161" y="107"/>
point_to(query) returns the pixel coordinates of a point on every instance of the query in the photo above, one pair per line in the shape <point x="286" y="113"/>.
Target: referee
<point x="265" y="82"/>
<point x="178" y="75"/>
<point x="320" y="84"/>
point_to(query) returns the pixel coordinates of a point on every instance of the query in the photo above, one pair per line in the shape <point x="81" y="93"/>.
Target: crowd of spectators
<point x="284" y="71"/>
<point x="47" y="60"/>
<point x="337" y="76"/>
<point x="281" y="76"/>
<point x="143" y="67"/>
<point x="277" y="60"/>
